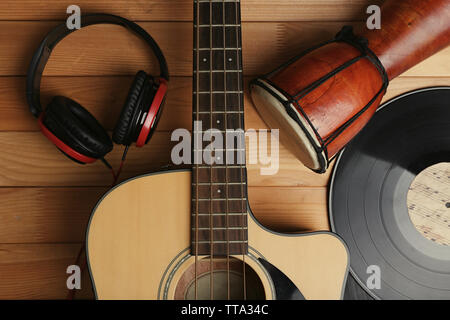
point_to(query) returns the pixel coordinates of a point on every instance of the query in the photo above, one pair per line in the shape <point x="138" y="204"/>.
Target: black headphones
<point x="71" y="127"/>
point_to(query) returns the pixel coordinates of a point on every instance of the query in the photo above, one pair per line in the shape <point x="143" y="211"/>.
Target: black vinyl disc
<point x="368" y="197"/>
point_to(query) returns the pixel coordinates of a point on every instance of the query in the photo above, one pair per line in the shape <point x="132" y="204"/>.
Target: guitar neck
<point x="219" y="184"/>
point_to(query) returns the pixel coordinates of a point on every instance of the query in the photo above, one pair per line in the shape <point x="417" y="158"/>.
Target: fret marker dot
<point x="219" y="191"/>
<point x="204" y="59"/>
<point x="229" y="59"/>
<point x="218" y="121"/>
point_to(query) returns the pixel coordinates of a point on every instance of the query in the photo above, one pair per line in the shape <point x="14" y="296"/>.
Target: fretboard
<point x="219" y="184"/>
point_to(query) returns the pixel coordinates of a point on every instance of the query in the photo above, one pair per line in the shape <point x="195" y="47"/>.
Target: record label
<point x="428" y="203"/>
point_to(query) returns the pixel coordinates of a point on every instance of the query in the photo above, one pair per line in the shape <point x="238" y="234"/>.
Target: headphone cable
<point x="108" y="165"/>
<point x="119" y="171"/>
<point x="122" y="162"/>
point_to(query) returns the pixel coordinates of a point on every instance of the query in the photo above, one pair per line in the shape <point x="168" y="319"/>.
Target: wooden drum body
<point x="321" y="99"/>
<point x="308" y="122"/>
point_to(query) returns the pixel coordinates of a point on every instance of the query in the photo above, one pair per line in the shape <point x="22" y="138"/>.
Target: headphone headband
<point x="41" y="56"/>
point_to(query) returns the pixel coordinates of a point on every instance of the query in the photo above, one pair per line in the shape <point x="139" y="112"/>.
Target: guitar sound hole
<point x="227" y="281"/>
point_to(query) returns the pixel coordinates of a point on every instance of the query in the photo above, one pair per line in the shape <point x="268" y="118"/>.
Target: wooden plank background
<point x="45" y="199"/>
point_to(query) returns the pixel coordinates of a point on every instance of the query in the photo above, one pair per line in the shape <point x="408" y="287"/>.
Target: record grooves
<point x="369" y="190"/>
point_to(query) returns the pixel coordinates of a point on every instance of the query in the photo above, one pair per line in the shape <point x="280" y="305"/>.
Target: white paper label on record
<point x="429" y="203"/>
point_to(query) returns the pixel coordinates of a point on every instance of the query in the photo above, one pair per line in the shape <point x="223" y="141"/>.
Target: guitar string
<point x="197" y="55"/>
<point x="238" y="59"/>
<point x="211" y="216"/>
<point x="226" y="144"/>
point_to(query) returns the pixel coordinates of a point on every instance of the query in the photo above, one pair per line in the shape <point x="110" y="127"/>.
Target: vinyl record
<point x="390" y="198"/>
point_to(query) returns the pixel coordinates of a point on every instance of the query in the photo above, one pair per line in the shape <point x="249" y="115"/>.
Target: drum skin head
<point x="292" y="136"/>
<point x="368" y="197"/>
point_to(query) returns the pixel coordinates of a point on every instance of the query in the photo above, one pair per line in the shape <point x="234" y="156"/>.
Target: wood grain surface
<point x="46" y="199"/>
<point x="181" y="10"/>
<point x="102" y="50"/>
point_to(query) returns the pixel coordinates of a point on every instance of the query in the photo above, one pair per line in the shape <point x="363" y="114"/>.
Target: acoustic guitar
<point x="190" y="234"/>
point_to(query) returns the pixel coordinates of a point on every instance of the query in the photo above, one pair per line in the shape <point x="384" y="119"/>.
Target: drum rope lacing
<point x="345" y="35"/>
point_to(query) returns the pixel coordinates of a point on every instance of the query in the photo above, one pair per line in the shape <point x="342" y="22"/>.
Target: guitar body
<point x="138" y="247"/>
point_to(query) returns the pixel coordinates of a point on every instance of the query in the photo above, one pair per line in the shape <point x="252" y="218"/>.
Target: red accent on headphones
<point x="152" y="113"/>
<point x="61" y="145"/>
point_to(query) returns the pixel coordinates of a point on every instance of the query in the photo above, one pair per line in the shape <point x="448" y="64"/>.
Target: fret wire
<point x="221" y="131"/>
<point x="221" y="214"/>
<point x="219" y="112"/>
<point x="218" y="184"/>
<point x="209" y="92"/>
<point x="223" y="242"/>
<point x="217" y="25"/>
<point x="221" y="228"/>
<point x="221" y="167"/>
<point x="220" y="71"/>
<point x="210" y="1"/>
<point x="216" y="49"/>
<point x="219" y="199"/>
<point x="220" y="150"/>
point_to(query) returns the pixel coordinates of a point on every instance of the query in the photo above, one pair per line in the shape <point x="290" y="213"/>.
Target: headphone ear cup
<point x="77" y="128"/>
<point x="152" y="113"/>
<point x="125" y="128"/>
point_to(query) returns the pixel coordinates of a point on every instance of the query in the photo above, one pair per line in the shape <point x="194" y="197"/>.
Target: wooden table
<point x="46" y="200"/>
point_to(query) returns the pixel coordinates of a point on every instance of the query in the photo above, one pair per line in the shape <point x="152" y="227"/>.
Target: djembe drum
<point x="322" y="98"/>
